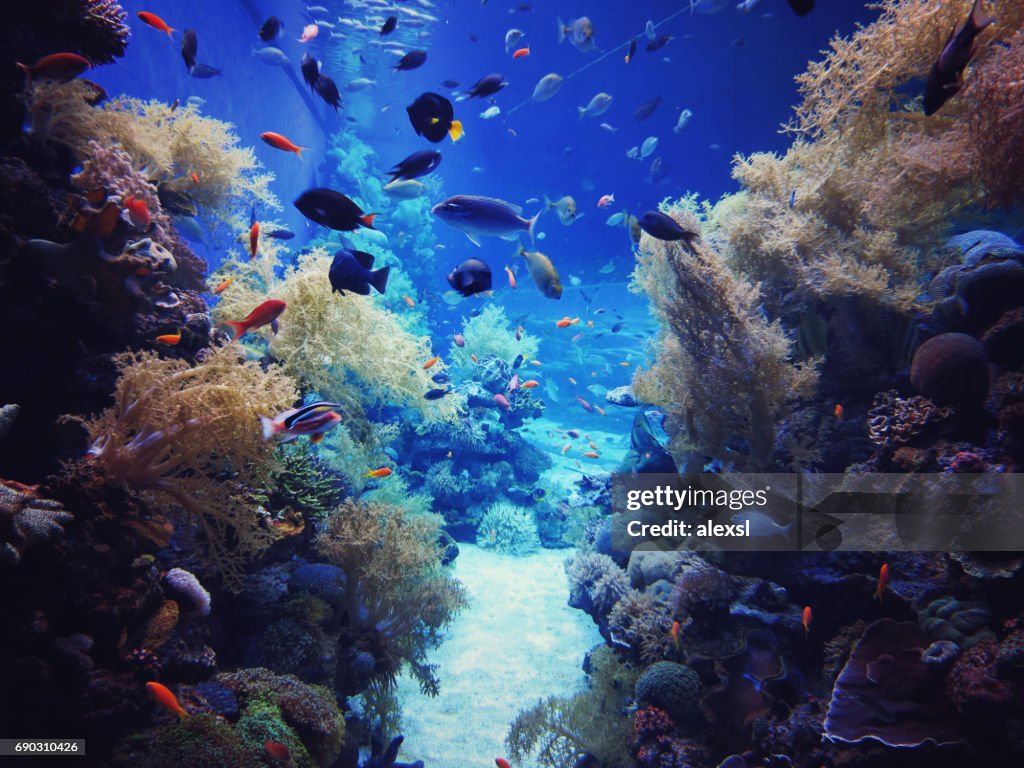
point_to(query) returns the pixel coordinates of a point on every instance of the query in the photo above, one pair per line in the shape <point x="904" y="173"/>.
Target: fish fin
<point x="298" y="151"/>
<point x="364" y="259"/>
<point x="238" y="329"/>
<point x="275" y="326"/>
<point x="533" y="225"/>
<point x="547" y="203"/>
<point x="367" y="220"/>
<point x="456" y="131"/>
<point x="269" y="427"/>
<point x="473" y="240"/>
<point x="582" y="111"/>
<point x="379" y="279"/>
<point x="561" y="29"/>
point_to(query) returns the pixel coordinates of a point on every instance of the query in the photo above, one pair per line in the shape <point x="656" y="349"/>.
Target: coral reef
<point x="509" y="529"/>
<point x="491" y="333"/>
<point x="596" y="584"/>
<point x="723" y="371"/>
<point x="185" y="584"/>
<point x="26" y="518"/>
<point x="673" y="688"/>
<point x="962" y="622"/>
<point x="951" y="369"/>
<point x="175" y="431"/>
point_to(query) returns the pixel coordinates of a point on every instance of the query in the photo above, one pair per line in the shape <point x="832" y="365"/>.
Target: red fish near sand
<point x="277" y="141"/>
<point x="154" y="21"/>
<point x="56" y="66"/>
<point x="265" y="313"/>
<point x="162" y="695"/>
<point x="313" y="420"/>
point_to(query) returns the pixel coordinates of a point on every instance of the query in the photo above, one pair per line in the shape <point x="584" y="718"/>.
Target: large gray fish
<point x="579" y="31"/>
<point x="483" y="216"/>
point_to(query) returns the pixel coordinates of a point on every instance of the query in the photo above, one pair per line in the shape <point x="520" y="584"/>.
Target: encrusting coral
<point x="191" y="436"/>
<point x="26" y="518"/>
<point x="723" y="370"/>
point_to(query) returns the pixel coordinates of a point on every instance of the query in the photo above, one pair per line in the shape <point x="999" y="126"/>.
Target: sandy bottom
<point x="517" y="642"/>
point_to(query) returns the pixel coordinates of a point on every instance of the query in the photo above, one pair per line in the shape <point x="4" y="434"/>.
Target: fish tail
<point x="379" y="279"/>
<point x="298" y="151"/>
<point x="561" y="30"/>
<point x="456" y="131"/>
<point x="238" y="329"/>
<point x="367" y="220"/>
<point x="531" y="227"/>
<point x="269" y="427"/>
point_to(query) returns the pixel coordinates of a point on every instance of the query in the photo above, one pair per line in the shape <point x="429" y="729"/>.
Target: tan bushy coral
<point x="164" y="143"/>
<point x="349" y="348"/>
<point x="188" y="438"/>
<point x="723" y="370"/>
<point x="490" y="333"/>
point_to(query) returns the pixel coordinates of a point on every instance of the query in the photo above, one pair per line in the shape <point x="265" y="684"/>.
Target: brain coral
<point x="673" y="688"/>
<point x="951" y="369"/>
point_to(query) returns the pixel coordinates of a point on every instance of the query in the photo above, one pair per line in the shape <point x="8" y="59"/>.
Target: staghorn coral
<point x="723" y="370"/>
<point x="188" y="438"/>
<point x="164" y="143"/>
<point x="348" y="348"/>
<point x="490" y="333"/>
<point x="508" y="529"/>
<point x="26" y="519"/>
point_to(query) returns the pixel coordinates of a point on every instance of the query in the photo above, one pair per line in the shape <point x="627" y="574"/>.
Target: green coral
<point x="490" y="333"/>
<point x="201" y="741"/>
<point x="964" y="622"/>
<point x="305" y="482"/>
<point x="509" y="529"/>
<point x="673" y="688"/>
<point x="261" y="722"/>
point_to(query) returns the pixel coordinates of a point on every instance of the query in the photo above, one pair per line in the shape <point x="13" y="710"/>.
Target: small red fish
<point x="254" y="240"/>
<point x="56" y="66"/>
<point x="807" y="620"/>
<point x="501" y="762"/>
<point x="431" y="362"/>
<point x="674" y="632"/>
<point x="265" y="313"/>
<point x="529" y="384"/>
<point x="170" y="339"/>
<point x="277" y="751"/>
<point x="586" y="406"/>
<point x="839" y="411"/>
<point x="592" y="454"/>
<point x="599" y="409"/>
<point x="408" y="300"/>
<point x="502" y="402"/>
<point x="154" y="21"/>
<point x="605" y="201"/>
<point x="309" y="32"/>
<point x="195" y="177"/>
<point x="883" y="581"/>
<point x="572" y="381"/>
<point x="565" y="322"/>
<point x="511" y="278"/>
<point x="535" y="362"/>
<point x="162" y="695"/>
<point x="138" y="211"/>
<point x="566" y="448"/>
<point x="474" y="358"/>
<point x="513" y="384"/>
<point x="522" y="53"/>
<point x="379" y="472"/>
<point x="224" y="286"/>
<point x="277" y="141"/>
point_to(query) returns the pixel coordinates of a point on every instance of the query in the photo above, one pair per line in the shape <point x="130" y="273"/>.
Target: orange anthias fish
<point x="572" y="381"/>
<point x="277" y="751"/>
<point x="511" y="278"/>
<point x="309" y="32"/>
<point x="162" y="695"/>
<point x="675" y="634"/>
<point x="277" y="141"/>
<point x="474" y="358"/>
<point x="599" y="409"/>
<point x="529" y="384"/>
<point x="501" y="762"/>
<point x="565" y="322"/>
<point x="138" y="211"/>
<point x="839" y="411"/>
<point x="565" y="448"/>
<point x="535" y="362"/>
<point x="195" y="177"/>
<point x="883" y="581"/>
<point x="266" y="313"/>
<point x="170" y="339"/>
<point x="154" y="21"/>
<point x="807" y="620"/>
<point x="431" y="362"/>
<point x="409" y="300"/>
<point x="56" y="66"/>
<point x="254" y="240"/>
<point x="380" y="472"/>
<point x="224" y="286"/>
<point x="592" y="454"/>
<point x="522" y="53"/>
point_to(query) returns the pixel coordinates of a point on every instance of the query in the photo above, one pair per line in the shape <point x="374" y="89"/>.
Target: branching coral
<point x="490" y="333"/>
<point x="348" y="348"/>
<point x="190" y="435"/>
<point x="397" y="595"/>
<point x="165" y="143"/>
<point x="723" y="370"/>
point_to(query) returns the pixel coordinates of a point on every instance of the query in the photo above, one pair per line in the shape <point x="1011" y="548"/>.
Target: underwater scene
<point x="548" y="384"/>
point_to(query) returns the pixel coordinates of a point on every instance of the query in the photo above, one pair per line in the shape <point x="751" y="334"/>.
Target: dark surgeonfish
<point x="204" y="71"/>
<point x="486" y="86"/>
<point x="270" y="29"/>
<point x="417" y="164"/>
<point x="801" y="7"/>
<point x="947" y="72"/>
<point x="389" y="25"/>
<point x="662" y="227"/>
<point x="310" y="68"/>
<point x="411" y="60"/>
<point x="432" y="117"/>
<point x="333" y="210"/>
<point x="353" y="271"/>
<point x="327" y="90"/>
<point x="189" y="48"/>
<point x="470" y="277"/>
<point x="646" y="109"/>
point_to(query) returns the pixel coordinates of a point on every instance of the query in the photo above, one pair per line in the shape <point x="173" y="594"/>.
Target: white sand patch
<point x="517" y="642"/>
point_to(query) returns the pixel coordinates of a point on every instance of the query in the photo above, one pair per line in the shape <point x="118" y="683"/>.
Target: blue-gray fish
<point x="579" y="31"/>
<point x="483" y="216"/>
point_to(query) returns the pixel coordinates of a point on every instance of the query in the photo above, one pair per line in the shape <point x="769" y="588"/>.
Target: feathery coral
<point x="191" y="435"/>
<point x="490" y="333"/>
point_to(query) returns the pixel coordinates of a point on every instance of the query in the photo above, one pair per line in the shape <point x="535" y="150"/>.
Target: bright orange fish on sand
<point x="138" y="211"/>
<point x="511" y="278"/>
<point x="266" y="313"/>
<point x="408" y="300"/>
<point x="522" y="53"/>
<point x="565" y="322"/>
<point x="501" y="762"/>
<point x="883" y="581"/>
<point x="277" y="141"/>
<point x="154" y="21"/>
<point x="254" y="240"/>
<point x="592" y="454"/>
<point x="162" y="695"/>
<point x="431" y="362"/>
<point x="380" y="472"/>
<point x="170" y="339"/>
<point x="529" y="384"/>
<point x="807" y="620"/>
<point x="277" y="751"/>
<point x="224" y="286"/>
<point x="839" y="410"/>
<point x="675" y="634"/>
